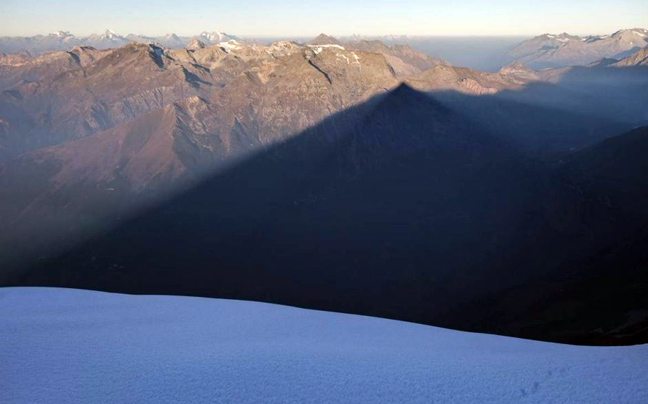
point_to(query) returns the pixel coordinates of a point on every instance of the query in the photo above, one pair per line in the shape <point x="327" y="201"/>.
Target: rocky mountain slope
<point x="194" y="111"/>
<point x="105" y="97"/>
<point x="232" y="98"/>
<point x="16" y="69"/>
<point x="639" y="58"/>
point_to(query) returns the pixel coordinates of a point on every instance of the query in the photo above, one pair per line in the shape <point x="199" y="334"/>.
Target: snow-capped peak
<point x="61" y="34"/>
<point x="112" y="35"/>
<point x="212" y="35"/>
<point x="634" y="31"/>
<point x="215" y="37"/>
<point x="564" y="37"/>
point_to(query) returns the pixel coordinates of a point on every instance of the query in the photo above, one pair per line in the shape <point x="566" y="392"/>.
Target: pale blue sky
<point x="310" y="17"/>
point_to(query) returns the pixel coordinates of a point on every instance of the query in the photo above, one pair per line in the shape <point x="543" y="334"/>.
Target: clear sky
<point x="310" y="17"/>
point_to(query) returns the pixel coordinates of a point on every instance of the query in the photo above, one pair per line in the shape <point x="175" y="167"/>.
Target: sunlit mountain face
<point x="366" y="175"/>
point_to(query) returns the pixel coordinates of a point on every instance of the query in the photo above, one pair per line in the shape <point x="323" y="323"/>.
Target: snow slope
<point x="66" y="346"/>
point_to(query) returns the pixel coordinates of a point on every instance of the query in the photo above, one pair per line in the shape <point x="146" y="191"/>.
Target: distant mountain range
<point x="63" y="40"/>
<point x="544" y="51"/>
<point x="341" y="175"/>
<point x="561" y="50"/>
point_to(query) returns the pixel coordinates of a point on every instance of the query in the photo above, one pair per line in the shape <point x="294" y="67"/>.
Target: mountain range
<point x="559" y="50"/>
<point x="347" y="176"/>
<point x="543" y="51"/>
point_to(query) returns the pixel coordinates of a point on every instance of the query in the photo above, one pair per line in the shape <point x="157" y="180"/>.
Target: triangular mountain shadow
<point x="399" y="208"/>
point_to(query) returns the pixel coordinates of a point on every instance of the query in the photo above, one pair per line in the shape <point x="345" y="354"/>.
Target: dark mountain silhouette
<point x="616" y="169"/>
<point x="606" y="292"/>
<point x="400" y="207"/>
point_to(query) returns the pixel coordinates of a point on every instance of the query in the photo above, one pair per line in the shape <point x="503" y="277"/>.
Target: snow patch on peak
<point x="216" y="35"/>
<point x="230" y="45"/>
<point x="283" y="45"/>
<point x="564" y="37"/>
<point x="319" y="48"/>
<point x="282" y="48"/>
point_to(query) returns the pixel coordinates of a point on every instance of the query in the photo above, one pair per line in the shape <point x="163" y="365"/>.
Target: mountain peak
<point x="404" y="88"/>
<point x="196" y="44"/>
<point x="405" y="96"/>
<point x="323" y="39"/>
<point x="215" y="37"/>
<point x="110" y="34"/>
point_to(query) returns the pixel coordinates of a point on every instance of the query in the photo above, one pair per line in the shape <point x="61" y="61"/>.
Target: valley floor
<point x="66" y="346"/>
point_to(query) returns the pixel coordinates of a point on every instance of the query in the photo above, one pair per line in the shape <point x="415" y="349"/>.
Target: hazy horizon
<point x="297" y="38"/>
<point x="291" y="18"/>
<point x="305" y="37"/>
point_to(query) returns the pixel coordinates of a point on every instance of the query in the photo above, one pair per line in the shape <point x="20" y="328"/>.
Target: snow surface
<point x="67" y="346"/>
